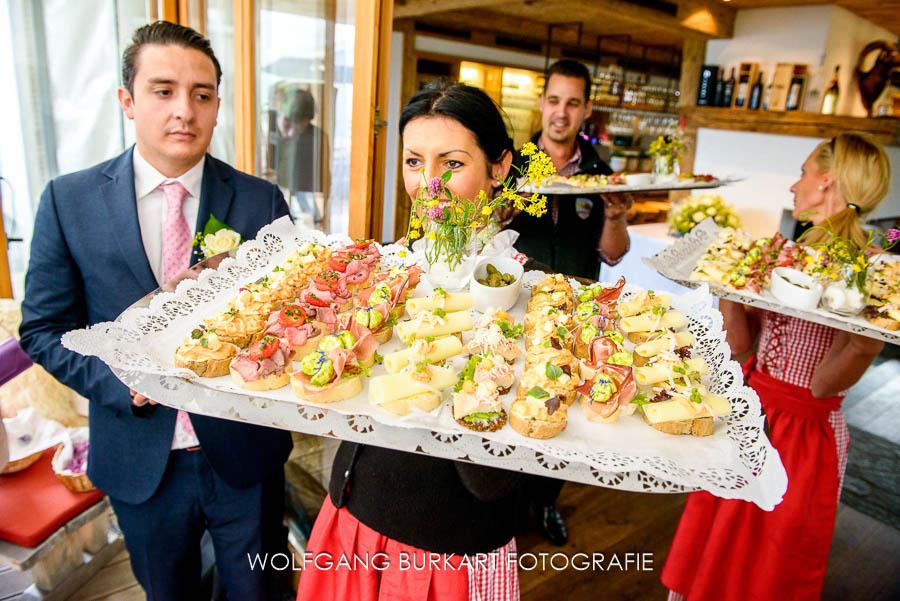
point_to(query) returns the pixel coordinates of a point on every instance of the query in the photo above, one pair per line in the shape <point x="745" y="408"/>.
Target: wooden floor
<point x="864" y="564"/>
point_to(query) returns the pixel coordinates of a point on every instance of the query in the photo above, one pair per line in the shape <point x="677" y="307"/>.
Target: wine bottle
<point x="830" y="100"/>
<point x="767" y="98"/>
<point x="728" y="94"/>
<point x="743" y="84"/>
<point x="793" y="99"/>
<point x="756" y="93"/>
<point x="720" y="91"/>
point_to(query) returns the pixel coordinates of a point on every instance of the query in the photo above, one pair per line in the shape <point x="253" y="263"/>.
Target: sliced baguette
<point x="207" y="368"/>
<point x="270" y="382"/>
<point x="698" y="426"/>
<point x="346" y="388"/>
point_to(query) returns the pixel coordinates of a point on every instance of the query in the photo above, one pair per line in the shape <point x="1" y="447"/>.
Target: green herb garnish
<point x="553" y="371"/>
<point x="538" y="393"/>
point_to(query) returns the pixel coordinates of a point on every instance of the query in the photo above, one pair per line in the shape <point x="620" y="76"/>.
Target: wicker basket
<point x="20" y="464"/>
<point x="75" y="483"/>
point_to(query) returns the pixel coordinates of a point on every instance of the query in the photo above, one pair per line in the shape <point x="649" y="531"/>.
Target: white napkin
<point x="29" y="432"/>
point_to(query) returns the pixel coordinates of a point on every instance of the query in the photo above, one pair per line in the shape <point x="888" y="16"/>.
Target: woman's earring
<point x="821" y="187"/>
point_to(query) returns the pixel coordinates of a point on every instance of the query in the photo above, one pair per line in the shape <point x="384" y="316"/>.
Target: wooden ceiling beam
<point x="708" y="18"/>
<point x="419" y="8"/>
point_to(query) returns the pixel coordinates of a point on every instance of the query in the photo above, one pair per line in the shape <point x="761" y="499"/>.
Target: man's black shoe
<point x="551" y="525"/>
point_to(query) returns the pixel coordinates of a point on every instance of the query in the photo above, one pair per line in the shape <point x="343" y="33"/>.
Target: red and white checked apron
<point x="733" y="550"/>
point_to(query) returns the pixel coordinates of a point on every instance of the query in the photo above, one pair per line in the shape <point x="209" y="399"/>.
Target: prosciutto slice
<point x="626" y="389"/>
<point x="251" y="370"/>
<point x="341" y="358"/>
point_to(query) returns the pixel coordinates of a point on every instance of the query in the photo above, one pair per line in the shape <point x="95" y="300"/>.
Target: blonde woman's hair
<point x="862" y="173"/>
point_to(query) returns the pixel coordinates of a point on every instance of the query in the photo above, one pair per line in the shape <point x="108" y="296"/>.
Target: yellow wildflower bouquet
<point x="450" y="222"/>
<point x="840" y="259"/>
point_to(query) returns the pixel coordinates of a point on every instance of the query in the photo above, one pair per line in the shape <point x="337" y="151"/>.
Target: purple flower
<point x="436" y="187"/>
<point x="436" y="213"/>
<point x="892" y="235"/>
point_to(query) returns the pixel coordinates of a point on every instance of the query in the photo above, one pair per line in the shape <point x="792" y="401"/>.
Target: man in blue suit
<point x="105" y="237"/>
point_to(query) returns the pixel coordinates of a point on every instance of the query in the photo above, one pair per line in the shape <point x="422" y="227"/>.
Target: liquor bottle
<point x="793" y="99"/>
<point x="830" y="100"/>
<point x="729" y="90"/>
<point x="756" y="93"/>
<point x="767" y="97"/>
<point x="743" y="84"/>
<point x="720" y="91"/>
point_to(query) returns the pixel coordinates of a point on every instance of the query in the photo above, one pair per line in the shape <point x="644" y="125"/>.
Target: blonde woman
<point x="726" y="549"/>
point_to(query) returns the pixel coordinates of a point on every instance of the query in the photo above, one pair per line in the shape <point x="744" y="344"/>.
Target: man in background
<point x="576" y="232"/>
<point x="104" y="238"/>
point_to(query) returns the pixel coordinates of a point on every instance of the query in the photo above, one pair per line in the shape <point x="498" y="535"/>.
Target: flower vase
<point x="843" y="296"/>
<point x="665" y="169"/>
<point x="451" y="269"/>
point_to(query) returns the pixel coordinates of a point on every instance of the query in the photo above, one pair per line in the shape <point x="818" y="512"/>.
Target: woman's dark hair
<point x="469" y="106"/>
<point x="164" y="33"/>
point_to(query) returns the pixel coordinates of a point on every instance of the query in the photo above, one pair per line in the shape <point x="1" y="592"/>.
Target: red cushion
<point x="34" y="503"/>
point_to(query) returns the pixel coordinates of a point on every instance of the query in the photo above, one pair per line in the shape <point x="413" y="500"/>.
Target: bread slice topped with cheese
<point x="417" y="386"/>
<point x="240" y="329"/>
<point x="682" y="409"/>
<point x="556" y="380"/>
<point x="553" y="291"/>
<point x="427" y="348"/>
<point x="477" y="406"/>
<point x="440" y="299"/>
<point x="496" y="332"/>
<point x="205" y="354"/>
<point x="536" y="413"/>
<point x="435" y="323"/>
<point x="663" y="341"/>
<point x="488" y="367"/>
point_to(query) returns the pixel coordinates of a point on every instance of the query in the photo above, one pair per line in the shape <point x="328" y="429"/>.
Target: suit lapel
<point x="121" y="203"/>
<point x="216" y="197"/>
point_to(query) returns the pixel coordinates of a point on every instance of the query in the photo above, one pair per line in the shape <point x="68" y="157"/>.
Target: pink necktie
<point x="176" y="232"/>
<point x="176" y="258"/>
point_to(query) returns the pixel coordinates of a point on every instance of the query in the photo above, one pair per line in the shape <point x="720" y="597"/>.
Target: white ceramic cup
<point x="503" y="297"/>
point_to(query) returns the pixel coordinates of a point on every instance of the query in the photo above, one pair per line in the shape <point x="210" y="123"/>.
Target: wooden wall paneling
<point x="790" y="123"/>
<point x="693" y="55"/>
<point x="418" y="8"/>
<point x="329" y="94"/>
<point x="365" y="159"/>
<point x="385" y="28"/>
<point x="407" y="89"/>
<point x="244" y="86"/>
<point x="152" y="11"/>
<point x="169" y="10"/>
<point x="5" y="281"/>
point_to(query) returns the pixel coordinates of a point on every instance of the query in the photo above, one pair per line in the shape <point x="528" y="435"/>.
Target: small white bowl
<point x="795" y="288"/>
<point x="503" y="297"/>
<point x="638" y="179"/>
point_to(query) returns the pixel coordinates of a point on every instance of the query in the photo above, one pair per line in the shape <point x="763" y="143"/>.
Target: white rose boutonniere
<point x="216" y="238"/>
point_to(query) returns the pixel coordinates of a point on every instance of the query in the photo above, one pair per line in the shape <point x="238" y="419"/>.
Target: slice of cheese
<point x="383" y="389"/>
<point x="646" y="322"/>
<point x="449" y="303"/>
<point x="442" y="348"/>
<point x="663" y="343"/>
<point x="643" y="302"/>
<point x="459" y="321"/>
<point x="681" y="408"/>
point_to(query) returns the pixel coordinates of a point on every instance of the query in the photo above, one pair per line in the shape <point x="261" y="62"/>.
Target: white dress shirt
<point x="151" y="206"/>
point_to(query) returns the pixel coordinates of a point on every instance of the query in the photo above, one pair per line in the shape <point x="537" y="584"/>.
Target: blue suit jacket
<point x="87" y="265"/>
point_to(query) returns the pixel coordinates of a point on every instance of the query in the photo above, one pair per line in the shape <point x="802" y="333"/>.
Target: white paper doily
<point x="736" y="462"/>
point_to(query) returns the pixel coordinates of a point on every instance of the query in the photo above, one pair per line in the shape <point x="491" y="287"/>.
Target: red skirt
<point x="396" y="571"/>
<point x="729" y="550"/>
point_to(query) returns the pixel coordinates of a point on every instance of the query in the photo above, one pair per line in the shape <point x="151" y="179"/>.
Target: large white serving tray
<point x="678" y="260"/>
<point x="736" y="462"/>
